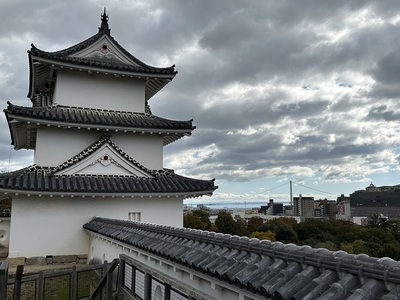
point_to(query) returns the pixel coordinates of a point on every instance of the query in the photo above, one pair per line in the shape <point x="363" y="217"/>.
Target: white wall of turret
<point x="52" y="150"/>
<point x="55" y="225"/>
<point x="80" y="89"/>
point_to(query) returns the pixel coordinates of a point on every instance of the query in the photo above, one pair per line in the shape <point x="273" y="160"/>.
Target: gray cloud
<point x="276" y="89"/>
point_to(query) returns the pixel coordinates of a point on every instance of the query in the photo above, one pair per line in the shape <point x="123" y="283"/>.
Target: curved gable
<point x="104" y="49"/>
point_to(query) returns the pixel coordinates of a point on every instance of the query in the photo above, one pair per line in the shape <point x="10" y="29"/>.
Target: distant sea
<point x="233" y="205"/>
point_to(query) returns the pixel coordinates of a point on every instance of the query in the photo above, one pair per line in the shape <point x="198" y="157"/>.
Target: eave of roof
<point x="36" y="180"/>
<point x="41" y="180"/>
<point x="103" y="30"/>
<point x="277" y="270"/>
<point x="44" y="62"/>
<point x="25" y="120"/>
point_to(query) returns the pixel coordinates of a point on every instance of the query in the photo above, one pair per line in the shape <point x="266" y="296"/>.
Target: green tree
<point x="286" y="234"/>
<point x="284" y="220"/>
<point x="268" y="235"/>
<point x="394" y="228"/>
<point x="191" y="221"/>
<point x="378" y="221"/>
<point x="267" y="226"/>
<point x="371" y="249"/>
<point x="213" y="228"/>
<point x="377" y="235"/>
<point x="359" y="247"/>
<point x="327" y="245"/>
<point x="309" y="229"/>
<point x="347" y="247"/>
<point x="254" y="223"/>
<point x="225" y="223"/>
<point x="203" y="216"/>
<point x="241" y="227"/>
<point x="273" y="224"/>
<point x="390" y="250"/>
<point x="347" y="232"/>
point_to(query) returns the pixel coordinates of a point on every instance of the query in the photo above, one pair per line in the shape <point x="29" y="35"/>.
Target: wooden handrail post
<point x="74" y="283"/>
<point x="106" y="279"/>
<point x="3" y="280"/>
<point x="121" y="275"/>
<point x="40" y="288"/>
<point x="109" y="283"/>
<point x="147" y="286"/>
<point x="17" y="282"/>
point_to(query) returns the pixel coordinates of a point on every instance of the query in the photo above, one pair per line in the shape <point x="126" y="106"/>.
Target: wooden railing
<point x="85" y="282"/>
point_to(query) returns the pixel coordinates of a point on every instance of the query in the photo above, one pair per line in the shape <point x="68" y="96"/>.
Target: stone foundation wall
<point x="49" y="260"/>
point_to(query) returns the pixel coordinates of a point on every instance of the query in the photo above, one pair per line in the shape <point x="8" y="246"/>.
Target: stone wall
<point x="49" y="260"/>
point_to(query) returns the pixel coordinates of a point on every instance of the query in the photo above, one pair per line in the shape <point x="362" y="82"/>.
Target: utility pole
<point x="291" y="198"/>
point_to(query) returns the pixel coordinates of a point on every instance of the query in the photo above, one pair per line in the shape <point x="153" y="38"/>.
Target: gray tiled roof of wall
<point x="88" y="116"/>
<point x="277" y="270"/>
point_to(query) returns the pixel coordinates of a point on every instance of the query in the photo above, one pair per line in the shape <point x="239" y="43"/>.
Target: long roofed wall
<point x="262" y="268"/>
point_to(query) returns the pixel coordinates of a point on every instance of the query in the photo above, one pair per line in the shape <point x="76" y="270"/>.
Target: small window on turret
<point x="134" y="216"/>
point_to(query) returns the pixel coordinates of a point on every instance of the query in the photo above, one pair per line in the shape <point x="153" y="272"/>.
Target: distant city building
<point x="363" y="221"/>
<point x="263" y="209"/>
<point x="374" y="200"/>
<point x="288" y="210"/>
<point x="272" y="208"/>
<point x="325" y="208"/>
<point x="203" y="207"/>
<point x="303" y="206"/>
<point x="277" y="209"/>
<point x="343" y="208"/>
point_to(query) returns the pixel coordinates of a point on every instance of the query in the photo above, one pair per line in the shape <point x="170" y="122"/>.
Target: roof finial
<point x="104" y="17"/>
<point x="104" y="23"/>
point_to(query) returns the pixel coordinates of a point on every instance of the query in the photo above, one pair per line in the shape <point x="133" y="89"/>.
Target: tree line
<point x="380" y="238"/>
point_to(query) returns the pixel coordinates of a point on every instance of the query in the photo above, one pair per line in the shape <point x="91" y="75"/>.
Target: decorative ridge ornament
<point x="104" y="23"/>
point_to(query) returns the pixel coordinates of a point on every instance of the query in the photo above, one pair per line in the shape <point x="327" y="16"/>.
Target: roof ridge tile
<point x="288" y="271"/>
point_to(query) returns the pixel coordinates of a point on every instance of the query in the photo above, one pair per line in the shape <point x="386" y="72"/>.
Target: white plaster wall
<point x="99" y="91"/>
<point x="100" y="250"/>
<point x="56" y="145"/>
<point x="43" y="226"/>
<point x="145" y="149"/>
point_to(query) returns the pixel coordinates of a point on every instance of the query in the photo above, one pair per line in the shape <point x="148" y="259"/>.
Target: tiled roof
<point x="42" y="64"/>
<point x="61" y="56"/>
<point x="275" y="270"/>
<point x="172" y="130"/>
<point x="41" y="180"/>
<point x="89" y="116"/>
<point x="65" y="55"/>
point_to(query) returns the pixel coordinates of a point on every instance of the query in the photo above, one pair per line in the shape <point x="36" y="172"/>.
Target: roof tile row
<point x="88" y="116"/>
<point x="281" y="271"/>
<point x="37" y="179"/>
<point x="65" y="55"/>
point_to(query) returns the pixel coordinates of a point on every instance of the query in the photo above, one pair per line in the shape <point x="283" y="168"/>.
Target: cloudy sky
<point x="303" y="91"/>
